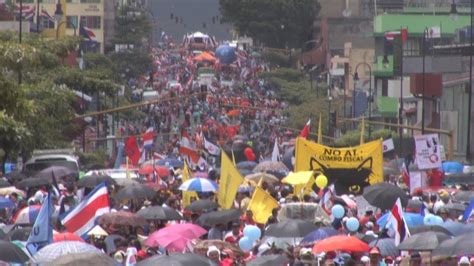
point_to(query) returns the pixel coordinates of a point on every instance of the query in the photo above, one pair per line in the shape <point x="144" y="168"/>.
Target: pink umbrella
<point x="175" y="237"/>
<point x="170" y="242"/>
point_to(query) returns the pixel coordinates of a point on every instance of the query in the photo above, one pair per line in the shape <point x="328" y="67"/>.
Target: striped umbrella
<point x="199" y="185"/>
<point x="27" y="215"/>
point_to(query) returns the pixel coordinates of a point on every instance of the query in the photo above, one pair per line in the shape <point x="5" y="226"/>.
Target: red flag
<point x="188" y="147"/>
<point x="305" y="131"/>
<point x="132" y="150"/>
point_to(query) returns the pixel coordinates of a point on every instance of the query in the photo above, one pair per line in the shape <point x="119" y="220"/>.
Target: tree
<point x="274" y="23"/>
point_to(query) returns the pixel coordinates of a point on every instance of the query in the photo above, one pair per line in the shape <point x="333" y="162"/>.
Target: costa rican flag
<point x="27" y="12"/>
<point x="148" y="138"/>
<point x="157" y="156"/>
<point x="81" y="219"/>
<point x="187" y="147"/>
<point x="398" y="223"/>
<point x="327" y="196"/>
<point x="86" y="33"/>
<point x="45" y="14"/>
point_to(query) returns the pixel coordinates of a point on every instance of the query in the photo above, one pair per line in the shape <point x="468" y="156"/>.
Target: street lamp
<point x="356" y="78"/>
<point x="67" y="23"/>
<point x="423" y="49"/>
<point x="454" y="14"/>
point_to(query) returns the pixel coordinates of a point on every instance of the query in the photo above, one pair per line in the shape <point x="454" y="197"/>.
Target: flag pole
<point x="320" y="133"/>
<point x="362" y="131"/>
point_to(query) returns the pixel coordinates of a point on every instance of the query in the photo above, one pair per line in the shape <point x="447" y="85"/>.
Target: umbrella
<point x="340" y="243"/>
<point x="458" y="246"/>
<point x="137" y="191"/>
<point x="288" y="158"/>
<point x="464" y="196"/>
<point x="264" y="176"/>
<point x="203" y="245"/>
<point x="363" y="205"/>
<point x="176" y="259"/>
<point x="66" y="237"/>
<point x="19" y="234"/>
<point x="53" y="251"/>
<point x="6" y="203"/>
<point x="4" y="183"/>
<point x="305" y="211"/>
<point x="218" y="217"/>
<point x="249" y="165"/>
<point x="366" y="238"/>
<point x="122" y="218"/>
<point x="386" y="246"/>
<point x="199" y="185"/>
<point x="9" y="190"/>
<point x="269" y="166"/>
<point x="190" y="231"/>
<point x="86" y="258"/>
<point x="269" y="260"/>
<point x="97" y="231"/>
<point x="429" y="228"/>
<point x="147" y="169"/>
<point x="384" y="195"/>
<point x="412" y="219"/>
<point x="319" y="234"/>
<point x="298" y="178"/>
<point x="202" y="206"/>
<point x="390" y="171"/>
<point x="27" y="215"/>
<point x="32" y="182"/>
<point x="172" y="242"/>
<point x="57" y="172"/>
<point x="290" y="228"/>
<point x="456" y="206"/>
<point x="110" y="243"/>
<point x="125" y="182"/>
<point x="425" y="241"/>
<point x="456" y="229"/>
<point x="11" y="253"/>
<point x="159" y="213"/>
<point x="93" y="180"/>
<point x="171" y="162"/>
<point x="16" y="175"/>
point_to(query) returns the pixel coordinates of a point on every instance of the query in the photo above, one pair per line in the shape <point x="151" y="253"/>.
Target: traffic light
<point x="333" y="119"/>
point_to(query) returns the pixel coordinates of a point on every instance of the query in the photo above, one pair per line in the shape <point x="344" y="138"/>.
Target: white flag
<point x="388" y="145"/>
<point x="212" y="148"/>
<point x="276" y="152"/>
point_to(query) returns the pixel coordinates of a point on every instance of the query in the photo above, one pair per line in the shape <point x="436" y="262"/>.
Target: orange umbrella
<point x="66" y="237"/>
<point x="233" y="112"/>
<point x="340" y="243"/>
<point x="147" y="169"/>
<point x="205" y="56"/>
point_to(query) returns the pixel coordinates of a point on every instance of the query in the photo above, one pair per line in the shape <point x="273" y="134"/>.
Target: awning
<point x="387" y="106"/>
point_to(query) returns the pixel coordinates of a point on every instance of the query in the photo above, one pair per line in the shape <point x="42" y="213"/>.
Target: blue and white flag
<point x="42" y="231"/>
<point x="469" y="212"/>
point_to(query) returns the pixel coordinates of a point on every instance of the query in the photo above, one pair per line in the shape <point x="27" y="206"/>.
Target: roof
<point x="416" y="23"/>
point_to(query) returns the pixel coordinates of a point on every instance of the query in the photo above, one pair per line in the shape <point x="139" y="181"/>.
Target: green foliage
<point x="90" y="81"/>
<point x="131" y="63"/>
<point x="274" y="23"/>
<point x="130" y="28"/>
<point x="352" y="138"/>
<point x="89" y="159"/>
<point x="286" y="74"/>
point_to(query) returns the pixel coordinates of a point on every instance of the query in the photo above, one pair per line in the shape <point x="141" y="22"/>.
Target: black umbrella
<point x="135" y="191"/>
<point x="202" y="206"/>
<point x="386" y="246"/>
<point x="12" y="253"/>
<point x="4" y="183"/>
<point x="218" y="217"/>
<point x="458" y="246"/>
<point x="177" y="259"/>
<point x="160" y="213"/>
<point x="429" y="228"/>
<point x="94" y="180"/>
<point x="58" y="172"/>
<point x="464" y="196"/>
<point x="20" y="234"/>
<point x="269" y="260"/>
<point x="456" y="206"/>
<point x="366" y="238"/>
<point x="288" y="158"/>
<point x="16" y="175"/>
<point x="32" y="182"/>
<point x="423" y="241"/>
<point x="384" y="195"/>
<point x="291" y="228"/>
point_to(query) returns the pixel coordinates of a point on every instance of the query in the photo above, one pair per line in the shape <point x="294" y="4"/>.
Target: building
<point x="78" y="17"/>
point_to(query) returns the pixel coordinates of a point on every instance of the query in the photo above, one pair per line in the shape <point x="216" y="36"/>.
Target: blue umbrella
<point x="319" y="234"/>
<point x="6" y="203"/>
<point x="199" y="185"/>
<point x="412" y="219"/>
<point x="247" y="165"/>
<point x="457" y="229"/>
<point x="451" y="167"/>
<point x="170" y="162"/>
<point x="226" y="54"/>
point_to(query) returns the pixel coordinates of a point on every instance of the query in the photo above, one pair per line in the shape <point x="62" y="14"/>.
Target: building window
<point x="72" y="1"/>
<point x="47" y="23"/>
<point x="48" y="1"/>
<point x="92" y="22"/>
<point x="71" y="20"/>
<point x="25" y="1"/>
<point x="90" y="1"/>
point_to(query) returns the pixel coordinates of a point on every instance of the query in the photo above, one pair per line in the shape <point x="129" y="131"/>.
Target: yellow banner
<point x="229" y="182"/>
<point x="262" y="205"/>
<point x="349" y="169"/>
<point x="187" y="195"/>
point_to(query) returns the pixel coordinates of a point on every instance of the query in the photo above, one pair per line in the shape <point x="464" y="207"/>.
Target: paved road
<point x="194" y="13"/>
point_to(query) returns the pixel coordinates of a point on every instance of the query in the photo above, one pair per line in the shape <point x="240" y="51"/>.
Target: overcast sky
<point x="194" y="13"/>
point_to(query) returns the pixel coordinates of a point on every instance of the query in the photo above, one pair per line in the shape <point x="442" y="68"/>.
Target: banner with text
<point x="428" y="152"/>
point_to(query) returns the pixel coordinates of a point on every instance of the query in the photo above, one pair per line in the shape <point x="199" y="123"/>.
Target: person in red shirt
<point x="435" y="178"/>
<point x="234" y="235"/>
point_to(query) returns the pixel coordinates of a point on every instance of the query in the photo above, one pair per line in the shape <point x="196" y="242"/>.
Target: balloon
<point x="338" y="211"/>
<point x="252" y="232"/>
<point x="429" y="219"/>
<point x="437" y="220"/>
<point x="245" y="244"/>
<point x="321" y="181"/>
<point x="352" y="224"/>
<point x="248" y="154"/>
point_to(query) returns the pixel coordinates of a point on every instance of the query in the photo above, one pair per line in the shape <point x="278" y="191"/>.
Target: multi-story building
<point x="78" y="17"/>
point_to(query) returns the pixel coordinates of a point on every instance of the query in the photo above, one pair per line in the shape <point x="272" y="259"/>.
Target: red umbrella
<point x="340" y="243"/>
<point x="66" y="237"/>
<point x="147" y="169"/>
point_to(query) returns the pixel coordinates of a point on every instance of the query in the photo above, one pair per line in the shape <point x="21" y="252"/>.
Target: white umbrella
<point x="53" y="251"/>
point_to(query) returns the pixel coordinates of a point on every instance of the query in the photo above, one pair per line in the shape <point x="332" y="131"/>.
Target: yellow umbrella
<point x="298" y="178"/>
